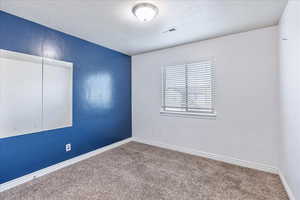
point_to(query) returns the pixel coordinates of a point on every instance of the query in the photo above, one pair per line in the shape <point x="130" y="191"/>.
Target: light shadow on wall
<point x="99" y="91"/>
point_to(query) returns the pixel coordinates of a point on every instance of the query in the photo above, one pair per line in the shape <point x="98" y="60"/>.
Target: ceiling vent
<point x="170" y="30"/>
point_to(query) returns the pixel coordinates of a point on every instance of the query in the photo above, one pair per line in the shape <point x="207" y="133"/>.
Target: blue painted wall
<point x="101" y="98"/>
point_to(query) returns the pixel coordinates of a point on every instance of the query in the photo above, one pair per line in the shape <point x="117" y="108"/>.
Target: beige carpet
<point x="136" y="171"/>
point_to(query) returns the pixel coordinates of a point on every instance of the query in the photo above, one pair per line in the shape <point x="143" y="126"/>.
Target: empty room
<point x="149" y="99"/>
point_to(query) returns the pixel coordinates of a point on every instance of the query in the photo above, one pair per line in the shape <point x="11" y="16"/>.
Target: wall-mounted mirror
<point x="35" y="94"/>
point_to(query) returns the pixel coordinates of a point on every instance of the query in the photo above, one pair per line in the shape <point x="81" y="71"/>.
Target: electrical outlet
<point x="68" y="147"/>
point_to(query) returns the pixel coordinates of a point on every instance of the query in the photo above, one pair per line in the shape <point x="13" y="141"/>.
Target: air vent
<point x="170" y="30"/>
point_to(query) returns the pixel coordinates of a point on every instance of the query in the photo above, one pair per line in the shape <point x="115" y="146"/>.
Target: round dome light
<point x="145" y="11"/>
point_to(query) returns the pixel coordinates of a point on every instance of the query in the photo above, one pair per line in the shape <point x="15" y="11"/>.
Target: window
<point x="189" y="89"/>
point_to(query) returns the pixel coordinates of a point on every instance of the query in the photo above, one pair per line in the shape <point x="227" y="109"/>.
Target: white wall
<point x="247" y="124"/>
<point x="290" y="96"/>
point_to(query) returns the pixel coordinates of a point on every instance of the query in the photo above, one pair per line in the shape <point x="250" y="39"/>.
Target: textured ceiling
<point x="110" y="23"/>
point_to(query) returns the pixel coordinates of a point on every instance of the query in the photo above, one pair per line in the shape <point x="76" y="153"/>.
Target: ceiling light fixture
<point x="145" y="11"/>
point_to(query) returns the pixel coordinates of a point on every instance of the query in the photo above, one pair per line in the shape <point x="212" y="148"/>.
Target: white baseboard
<point x="227" y="159"/>
<point x="286" y="186"/>
<point x="47" y="170"/>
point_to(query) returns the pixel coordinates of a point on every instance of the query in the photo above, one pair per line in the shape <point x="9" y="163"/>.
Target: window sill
<point x="188" y="115"/>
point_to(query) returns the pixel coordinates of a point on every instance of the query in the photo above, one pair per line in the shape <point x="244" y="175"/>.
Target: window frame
<point x="186" y="113"/>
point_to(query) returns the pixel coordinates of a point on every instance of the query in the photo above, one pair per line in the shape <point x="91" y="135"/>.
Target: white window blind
<point x="189" y="89"/>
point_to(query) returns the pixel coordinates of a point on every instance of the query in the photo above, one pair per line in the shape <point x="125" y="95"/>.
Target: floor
<point x="136" y="171"/>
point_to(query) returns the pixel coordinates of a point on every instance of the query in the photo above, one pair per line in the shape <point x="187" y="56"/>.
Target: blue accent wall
<point x="101" y="98"/>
